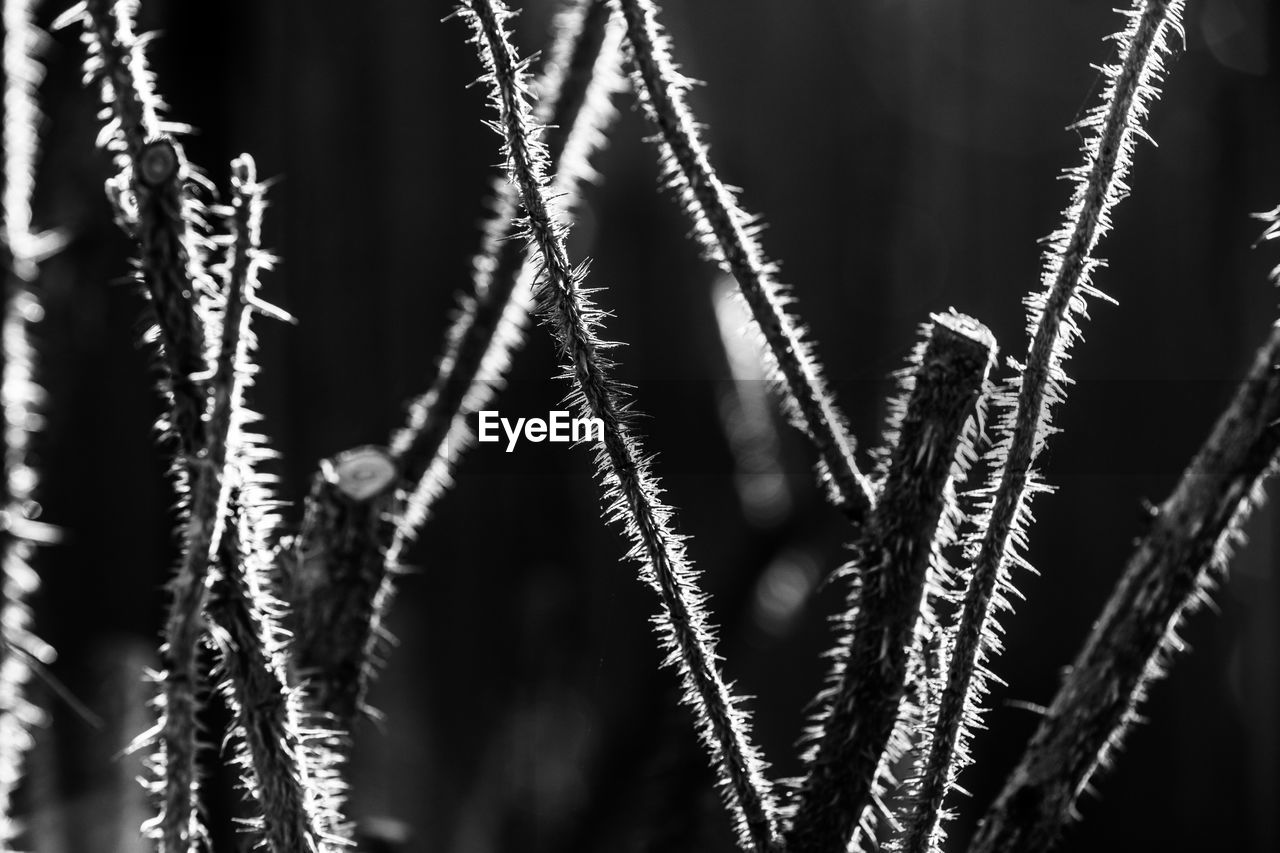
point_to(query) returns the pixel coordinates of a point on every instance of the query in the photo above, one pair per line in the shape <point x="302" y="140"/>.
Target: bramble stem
<point x="1172" y="570"/>
<point x="631" y="489"/>
<point x="297" y="810"/>
<point x="1052" y="315"/>
<point x="861" y="705"/>
<point x="160" y="217"/>
<point x="727" y="235"/>
<point x="267" y="716"/>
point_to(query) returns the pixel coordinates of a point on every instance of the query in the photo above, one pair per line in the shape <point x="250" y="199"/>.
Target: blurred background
<point x="905" y="155"/>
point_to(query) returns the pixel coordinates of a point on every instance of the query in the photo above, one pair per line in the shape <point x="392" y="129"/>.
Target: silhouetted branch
<point x="154" y="205"/>
<point x="858" y="725"/>
<point x="1024" y="424"/>
<point x="1173" y="569"/>
<point x="727" y="234"/>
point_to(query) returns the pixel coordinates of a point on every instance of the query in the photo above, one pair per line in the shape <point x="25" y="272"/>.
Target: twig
<point x="1174" y="569"/>
<point x="746" y="419"/>
<point x="154" y="204"/>
<point x="291" y="780"/>
<point x="296" y="812"/>
<point x="174" y="760"/>
<point x="860" y="721"/>
<point x="1024" y="423"/>
<point x="631" y="489"/>
<point x="727" y="234"/>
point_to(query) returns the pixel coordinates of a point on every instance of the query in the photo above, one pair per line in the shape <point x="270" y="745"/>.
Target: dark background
<point x="905" y="155"/>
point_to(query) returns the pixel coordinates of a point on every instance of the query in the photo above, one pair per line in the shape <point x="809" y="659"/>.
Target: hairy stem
<point x="1172" y="569"/>
<point x="267" y="715"/>
<point x="1052" y="315"/>
<point x="861" y="705"/>
<point x="155" y="205"/>
<point x="287" y="778"/>
<point x="631" y="488"/>
<point x="727" y="235"/>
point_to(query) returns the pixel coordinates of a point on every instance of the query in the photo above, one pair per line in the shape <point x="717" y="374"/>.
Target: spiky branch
<point x="288" y="776"/>
<point x="631" y="489"/>
<point x="284" y="764"/>
<point x="1173" y="569"/>
<point x="860" y="722"/>
<point x="155" y="205"/>
<point x="727" y="235"/>
<point x="1024" y="424"/>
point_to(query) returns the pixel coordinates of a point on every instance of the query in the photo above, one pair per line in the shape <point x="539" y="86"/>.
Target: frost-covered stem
<point x="728" y="236"/>
<point x="267" y="715"/>
<point x="572" y="319"/>
<point x="19" y="398"/>
<point x="1052" y="317"/>
<point x="860" y="706"/>
<point x="335" y="572"/>
<point x="1173" y="569"/>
